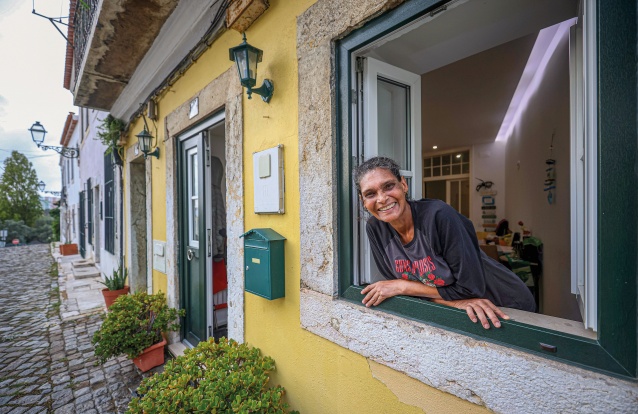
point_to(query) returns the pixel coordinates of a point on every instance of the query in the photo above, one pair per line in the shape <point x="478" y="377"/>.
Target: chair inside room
<point x="490" y="250"/>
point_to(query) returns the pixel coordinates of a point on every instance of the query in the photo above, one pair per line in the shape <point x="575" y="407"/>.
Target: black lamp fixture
<point x="247" y="57"/>
<point x="145" y="140"/>
<point x="37" y="135"/>
<point x="41" y="186"/>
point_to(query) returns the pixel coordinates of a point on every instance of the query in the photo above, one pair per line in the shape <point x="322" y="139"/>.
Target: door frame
<point x="226" y="94"/>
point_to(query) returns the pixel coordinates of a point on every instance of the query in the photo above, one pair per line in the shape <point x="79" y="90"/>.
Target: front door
<point x="193" y="246"/>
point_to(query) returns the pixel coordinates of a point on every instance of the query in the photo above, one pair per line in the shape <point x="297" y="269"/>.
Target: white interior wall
<point x="487" y="162"/>
<point x="527" y="149"/>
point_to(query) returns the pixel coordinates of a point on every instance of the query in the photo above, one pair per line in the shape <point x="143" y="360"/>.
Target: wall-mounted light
<point x="37" y="135"/>
<point x="145" y="140"/>
<point x="247" y="57"/>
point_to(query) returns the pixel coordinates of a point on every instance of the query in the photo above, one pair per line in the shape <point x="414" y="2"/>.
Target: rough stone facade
<point x="460" y="364"/>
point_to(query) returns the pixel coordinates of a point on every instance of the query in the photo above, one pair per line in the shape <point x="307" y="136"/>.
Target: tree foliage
<point x="18" y="193"/>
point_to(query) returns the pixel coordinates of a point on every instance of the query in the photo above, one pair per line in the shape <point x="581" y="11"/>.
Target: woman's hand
<point x="478" y="309"/>
<point x="380" y="291"/>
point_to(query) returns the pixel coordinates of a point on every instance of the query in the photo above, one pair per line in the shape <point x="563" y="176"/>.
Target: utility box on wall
<point x="269" y="180"/>
<point x="264" y="263"/>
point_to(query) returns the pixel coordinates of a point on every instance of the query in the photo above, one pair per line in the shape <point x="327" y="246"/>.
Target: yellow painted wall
<point x="319" y="376"/>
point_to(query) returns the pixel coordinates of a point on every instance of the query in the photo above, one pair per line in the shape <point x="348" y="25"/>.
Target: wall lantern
<point x="145" y="143"/>
<point x="247" y="57"/>
<point x="41" y="186"/>
<point x="37" y="135"/>
<point x="3" y="234"/>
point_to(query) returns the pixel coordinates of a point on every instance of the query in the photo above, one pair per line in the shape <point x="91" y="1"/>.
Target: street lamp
<point x="145" y="140"/>
<point x="41" y="185"/>
<point x="37" y="135"/>
<point x="246" y="57"/>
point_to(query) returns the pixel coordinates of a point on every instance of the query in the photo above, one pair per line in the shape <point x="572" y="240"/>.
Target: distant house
<point x="522" y="110"/>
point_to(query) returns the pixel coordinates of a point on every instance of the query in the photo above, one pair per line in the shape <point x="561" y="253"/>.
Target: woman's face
<point x="383" y="195"/>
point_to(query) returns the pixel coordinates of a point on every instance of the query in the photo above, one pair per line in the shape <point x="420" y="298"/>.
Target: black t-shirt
<point x="445" y="254"/>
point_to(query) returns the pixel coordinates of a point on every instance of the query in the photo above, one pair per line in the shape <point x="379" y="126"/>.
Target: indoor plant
<point x="115" y="286"/>
<point x="134" y="324"/>
<point x="212" y="377"/>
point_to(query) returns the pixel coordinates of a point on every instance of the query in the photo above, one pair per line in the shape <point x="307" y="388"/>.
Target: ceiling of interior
<point x="472" y="57"/>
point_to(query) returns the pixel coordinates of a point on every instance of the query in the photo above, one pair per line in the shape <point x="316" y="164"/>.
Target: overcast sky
<point x="32" y="57"/>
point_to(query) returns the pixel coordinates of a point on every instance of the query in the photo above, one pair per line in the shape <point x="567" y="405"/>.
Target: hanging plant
<point x="109" y="132"/>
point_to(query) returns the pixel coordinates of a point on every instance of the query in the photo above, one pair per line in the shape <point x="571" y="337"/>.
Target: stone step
<point x="85" y="272"/>
<point x="177" y="349"/>
<point x="82" y="263"/>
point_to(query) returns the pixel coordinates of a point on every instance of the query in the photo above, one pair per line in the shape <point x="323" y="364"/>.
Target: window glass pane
<point x="456" y="169"/>
<point x="427" y="162"/>
<point x="446" y="159"/>
<point x="436" y="160"/>
<point x="427" y="172"/>
<point x="466" y="168"/>
<point x="393" y="122"/>
<point x="436" y="171"/>
<point x="446" y="170"/>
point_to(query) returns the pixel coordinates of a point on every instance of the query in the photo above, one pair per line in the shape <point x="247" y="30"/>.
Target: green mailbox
<point x="264" y="263"/>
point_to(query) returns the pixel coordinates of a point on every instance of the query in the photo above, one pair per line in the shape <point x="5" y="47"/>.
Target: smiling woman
<point x="427" y="249"/>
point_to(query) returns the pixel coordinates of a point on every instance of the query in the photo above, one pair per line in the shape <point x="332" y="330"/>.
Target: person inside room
<point x="427" y="249"/>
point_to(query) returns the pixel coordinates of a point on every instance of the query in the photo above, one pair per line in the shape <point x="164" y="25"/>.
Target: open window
<point x="516" y="86"/>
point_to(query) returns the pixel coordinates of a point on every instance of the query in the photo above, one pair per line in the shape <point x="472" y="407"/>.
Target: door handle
<point x="190" y="254"/>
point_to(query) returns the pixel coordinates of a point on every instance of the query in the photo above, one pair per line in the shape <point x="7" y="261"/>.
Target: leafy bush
<point x="133" y="323"/>
<point x="117" y="281"/>
<point x="224" y="378"/>
<point x="42" y="230"/>
<point x="17" y="230"/>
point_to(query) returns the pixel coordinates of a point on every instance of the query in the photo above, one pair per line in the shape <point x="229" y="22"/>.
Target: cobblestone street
<point x="48" y="365"/>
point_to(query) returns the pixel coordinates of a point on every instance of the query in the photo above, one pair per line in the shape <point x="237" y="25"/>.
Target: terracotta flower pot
<point x="151" y="357"/>
<point x="111" y="295"/>
<point x="68" y="249"/>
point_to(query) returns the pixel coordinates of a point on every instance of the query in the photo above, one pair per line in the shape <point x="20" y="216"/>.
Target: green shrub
<point x="117" y="281"/>
<point x="133" y="323"/>
<point x="215" y="378"/>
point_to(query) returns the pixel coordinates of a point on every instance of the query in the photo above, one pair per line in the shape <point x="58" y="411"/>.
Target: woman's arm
<point x="380" y="291"/>
<point x="477" y="309"/>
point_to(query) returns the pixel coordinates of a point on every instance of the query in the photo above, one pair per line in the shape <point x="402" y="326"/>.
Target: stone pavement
<point x="47" y="364"/>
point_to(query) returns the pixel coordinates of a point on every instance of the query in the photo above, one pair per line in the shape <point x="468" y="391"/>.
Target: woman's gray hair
<point x="372" y="164"/>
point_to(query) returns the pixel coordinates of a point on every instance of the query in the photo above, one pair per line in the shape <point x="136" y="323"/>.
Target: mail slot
<point x="264" y="263"/>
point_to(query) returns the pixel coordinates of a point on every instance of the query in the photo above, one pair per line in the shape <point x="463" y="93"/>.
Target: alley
<point x="47" y="365"/>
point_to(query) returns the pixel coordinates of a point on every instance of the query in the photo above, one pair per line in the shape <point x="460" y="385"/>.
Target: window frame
<point x="614" y="352"/>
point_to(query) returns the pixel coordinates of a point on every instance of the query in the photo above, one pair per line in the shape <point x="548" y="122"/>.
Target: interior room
<point x="495" y="121"/>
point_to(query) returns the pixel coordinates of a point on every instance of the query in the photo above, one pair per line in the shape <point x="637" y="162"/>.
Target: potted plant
<point x="115" y="286"/>
<point x="133" y="327"/>
<point x="68" y="249"/>
<point x="110" y="133"/>
<point x="213" y="377"/>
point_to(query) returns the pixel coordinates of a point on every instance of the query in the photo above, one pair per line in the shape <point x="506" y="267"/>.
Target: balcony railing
<point x="85" y="11"/>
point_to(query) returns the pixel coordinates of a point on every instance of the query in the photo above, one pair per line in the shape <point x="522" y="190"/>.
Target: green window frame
<point x="615" y="351"/>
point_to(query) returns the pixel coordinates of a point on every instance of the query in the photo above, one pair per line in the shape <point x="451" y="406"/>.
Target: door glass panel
<point x="455" y="195"/>
<point x="393" y="119"/>
<point x="435" y="189"/>
<point x="465" y="198"/>
<point x="193" y="197"/>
